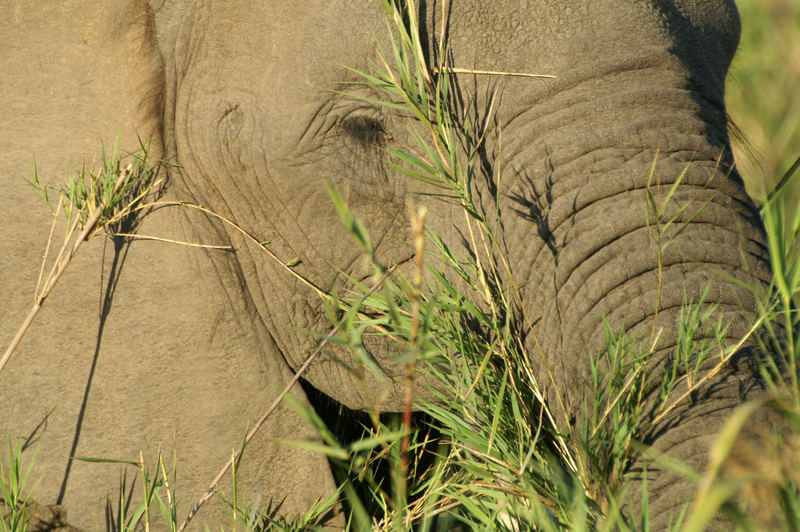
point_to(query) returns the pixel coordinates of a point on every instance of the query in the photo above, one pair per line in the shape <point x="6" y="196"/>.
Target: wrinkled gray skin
<point x="146" y="344"/>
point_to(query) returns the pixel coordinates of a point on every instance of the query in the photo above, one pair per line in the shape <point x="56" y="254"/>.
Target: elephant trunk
<point x="626" y="181"/>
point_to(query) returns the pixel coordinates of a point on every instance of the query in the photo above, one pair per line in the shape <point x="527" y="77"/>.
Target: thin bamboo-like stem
<point x="213" y="486"/>
<point x="456" y="70"/>
<point x="417" y="228"/>
<point x="47" y="247"/>
<point x="62" y="261"/>
<point x="321" y="293"/>
<point x="171" y="241"/>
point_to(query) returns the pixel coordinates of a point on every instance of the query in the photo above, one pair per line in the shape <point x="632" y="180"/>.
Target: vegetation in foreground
<point x="764" y="76"/>
<point x="496" y="458"/>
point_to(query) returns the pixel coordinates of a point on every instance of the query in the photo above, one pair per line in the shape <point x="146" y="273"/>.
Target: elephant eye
<point x="365" y="130"/>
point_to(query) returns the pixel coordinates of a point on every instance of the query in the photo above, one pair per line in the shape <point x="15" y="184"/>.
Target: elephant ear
<point x="136" y="347"/>
<point x="135" y="35"/>
<point x="111" y="89"/>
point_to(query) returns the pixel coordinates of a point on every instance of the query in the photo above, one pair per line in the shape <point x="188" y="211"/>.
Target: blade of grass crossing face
<point x="496" y="413"/>
<point x="776" y="242"/>
<point x="429" y="172"/>
<point x="671" y="193"/>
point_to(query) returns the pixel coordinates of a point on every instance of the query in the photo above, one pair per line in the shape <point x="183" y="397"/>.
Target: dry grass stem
<point x="455" y="70"/>
<point x="47" y="246"/>
<point x="249" y="236"/>
<point x="62" y="261"/>
<point x="171" y="241"/>
<point x="418" y="234"/>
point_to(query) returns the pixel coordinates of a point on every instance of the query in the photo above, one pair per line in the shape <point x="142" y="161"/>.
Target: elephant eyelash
<point x="365" y="130"/>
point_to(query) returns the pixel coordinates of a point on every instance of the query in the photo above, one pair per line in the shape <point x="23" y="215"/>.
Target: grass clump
<point x="158" y="490"/>
<point x="15" y="491"/>
<point x="763" y="77"/>
<point x="496" y="461"/>
<point x="781" y="300"/>
<point x="503" y="461"/>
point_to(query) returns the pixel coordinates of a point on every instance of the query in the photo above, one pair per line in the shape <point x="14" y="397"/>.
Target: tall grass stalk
<point x="782" y="298"/>
<point x="461" y="344"/>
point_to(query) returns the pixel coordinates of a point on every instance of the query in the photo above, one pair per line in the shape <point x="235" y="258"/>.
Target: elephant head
<point x="257" y="122"/>
<point x="258" y="114"/>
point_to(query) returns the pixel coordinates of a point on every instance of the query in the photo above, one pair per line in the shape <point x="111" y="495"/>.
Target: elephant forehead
<point x="288" y="56"/>
<point x="546" y="37"/>
<point x="277" y="59"/>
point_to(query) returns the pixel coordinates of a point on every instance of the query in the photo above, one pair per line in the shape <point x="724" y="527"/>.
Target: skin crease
<point x="169" y="345"/>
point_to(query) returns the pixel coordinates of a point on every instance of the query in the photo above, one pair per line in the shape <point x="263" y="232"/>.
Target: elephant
<point x="146" y="344"/>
